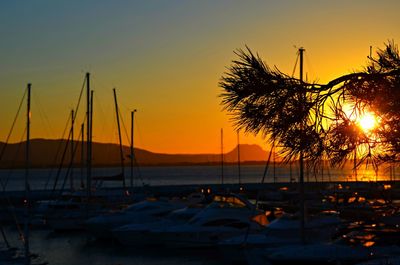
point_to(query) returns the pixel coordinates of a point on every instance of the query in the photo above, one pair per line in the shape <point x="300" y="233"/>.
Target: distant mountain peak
<point x="248" y="152"/>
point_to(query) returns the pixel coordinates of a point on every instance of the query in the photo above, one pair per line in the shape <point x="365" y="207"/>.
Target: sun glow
<point x="367" y="121"/>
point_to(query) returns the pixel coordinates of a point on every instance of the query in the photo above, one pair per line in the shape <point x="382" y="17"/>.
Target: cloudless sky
<point x="165" y="58"/>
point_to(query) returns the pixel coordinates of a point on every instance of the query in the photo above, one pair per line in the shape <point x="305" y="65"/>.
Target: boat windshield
<point x="228" y="201"/>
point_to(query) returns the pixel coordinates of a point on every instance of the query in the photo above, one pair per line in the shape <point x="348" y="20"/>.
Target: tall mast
<point x="72" y="150"/>
<point x="274" y="161"/>
<point x="91" y="132"/>
<point x="301" y="160"/>
<point x="120" y="138"/>
<point x="238" y="159"/>
<point x="27" y="165"/>
<point x="132" y="143"/>
<point x="355" y="164"/>
<point x="88" y="135"/>
<point x="82" y="153"/>
<point x="222" y="156"/>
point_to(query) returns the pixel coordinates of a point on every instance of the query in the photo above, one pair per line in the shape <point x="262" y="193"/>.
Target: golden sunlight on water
<point x="368" y="173"/>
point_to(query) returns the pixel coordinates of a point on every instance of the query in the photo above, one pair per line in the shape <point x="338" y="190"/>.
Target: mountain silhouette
<point x="49" y="153"/>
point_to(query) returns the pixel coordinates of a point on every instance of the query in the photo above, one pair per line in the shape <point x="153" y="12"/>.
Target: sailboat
<point x="27" y="201"/>
<point x="70" y="211"/>
<point x="96" y="201"/>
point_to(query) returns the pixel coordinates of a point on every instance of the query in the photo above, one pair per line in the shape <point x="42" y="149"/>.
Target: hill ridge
<point x="43" y="154"/>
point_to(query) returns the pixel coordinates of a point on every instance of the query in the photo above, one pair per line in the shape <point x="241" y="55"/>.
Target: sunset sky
<point x="165" y="58"/>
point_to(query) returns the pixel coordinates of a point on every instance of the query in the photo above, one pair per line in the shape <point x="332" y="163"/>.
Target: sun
<point x="367" y="121"/>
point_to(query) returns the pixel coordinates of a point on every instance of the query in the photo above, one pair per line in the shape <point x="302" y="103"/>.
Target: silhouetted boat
<point x="282" y="231"/>
<point x="228" y="215"/>
<point x="146" y="211"/>
<point x="141" y="235"/>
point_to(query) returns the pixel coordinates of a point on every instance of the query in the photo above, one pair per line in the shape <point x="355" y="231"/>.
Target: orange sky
<point x="166" y="58"/>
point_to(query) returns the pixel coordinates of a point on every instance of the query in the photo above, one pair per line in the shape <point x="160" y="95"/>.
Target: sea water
<point x="13" y="179"/>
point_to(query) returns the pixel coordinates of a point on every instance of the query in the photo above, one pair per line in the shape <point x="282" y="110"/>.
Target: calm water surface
<point x="153" y="176"/>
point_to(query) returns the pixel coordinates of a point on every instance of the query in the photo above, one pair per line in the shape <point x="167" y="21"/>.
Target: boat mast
<point x="120" y="139"/>
<point x="82" y="153"/>
<point x="238" y="160"/>
<point x="88" y="136"/>
<point x="132" y="143"/>
<point x="27" y="165"/>
<point x="274" y="161"/>
<point x="72" y="151"/>
<point x="301" y="161"/>
<point x="355" y="164"/>
<point x="222" y="156"/>
<point x="91" y="131"/>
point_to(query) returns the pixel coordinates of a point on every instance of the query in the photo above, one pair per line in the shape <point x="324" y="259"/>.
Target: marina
<point x="80" y="245"/>
<point x="157" y="133"/>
